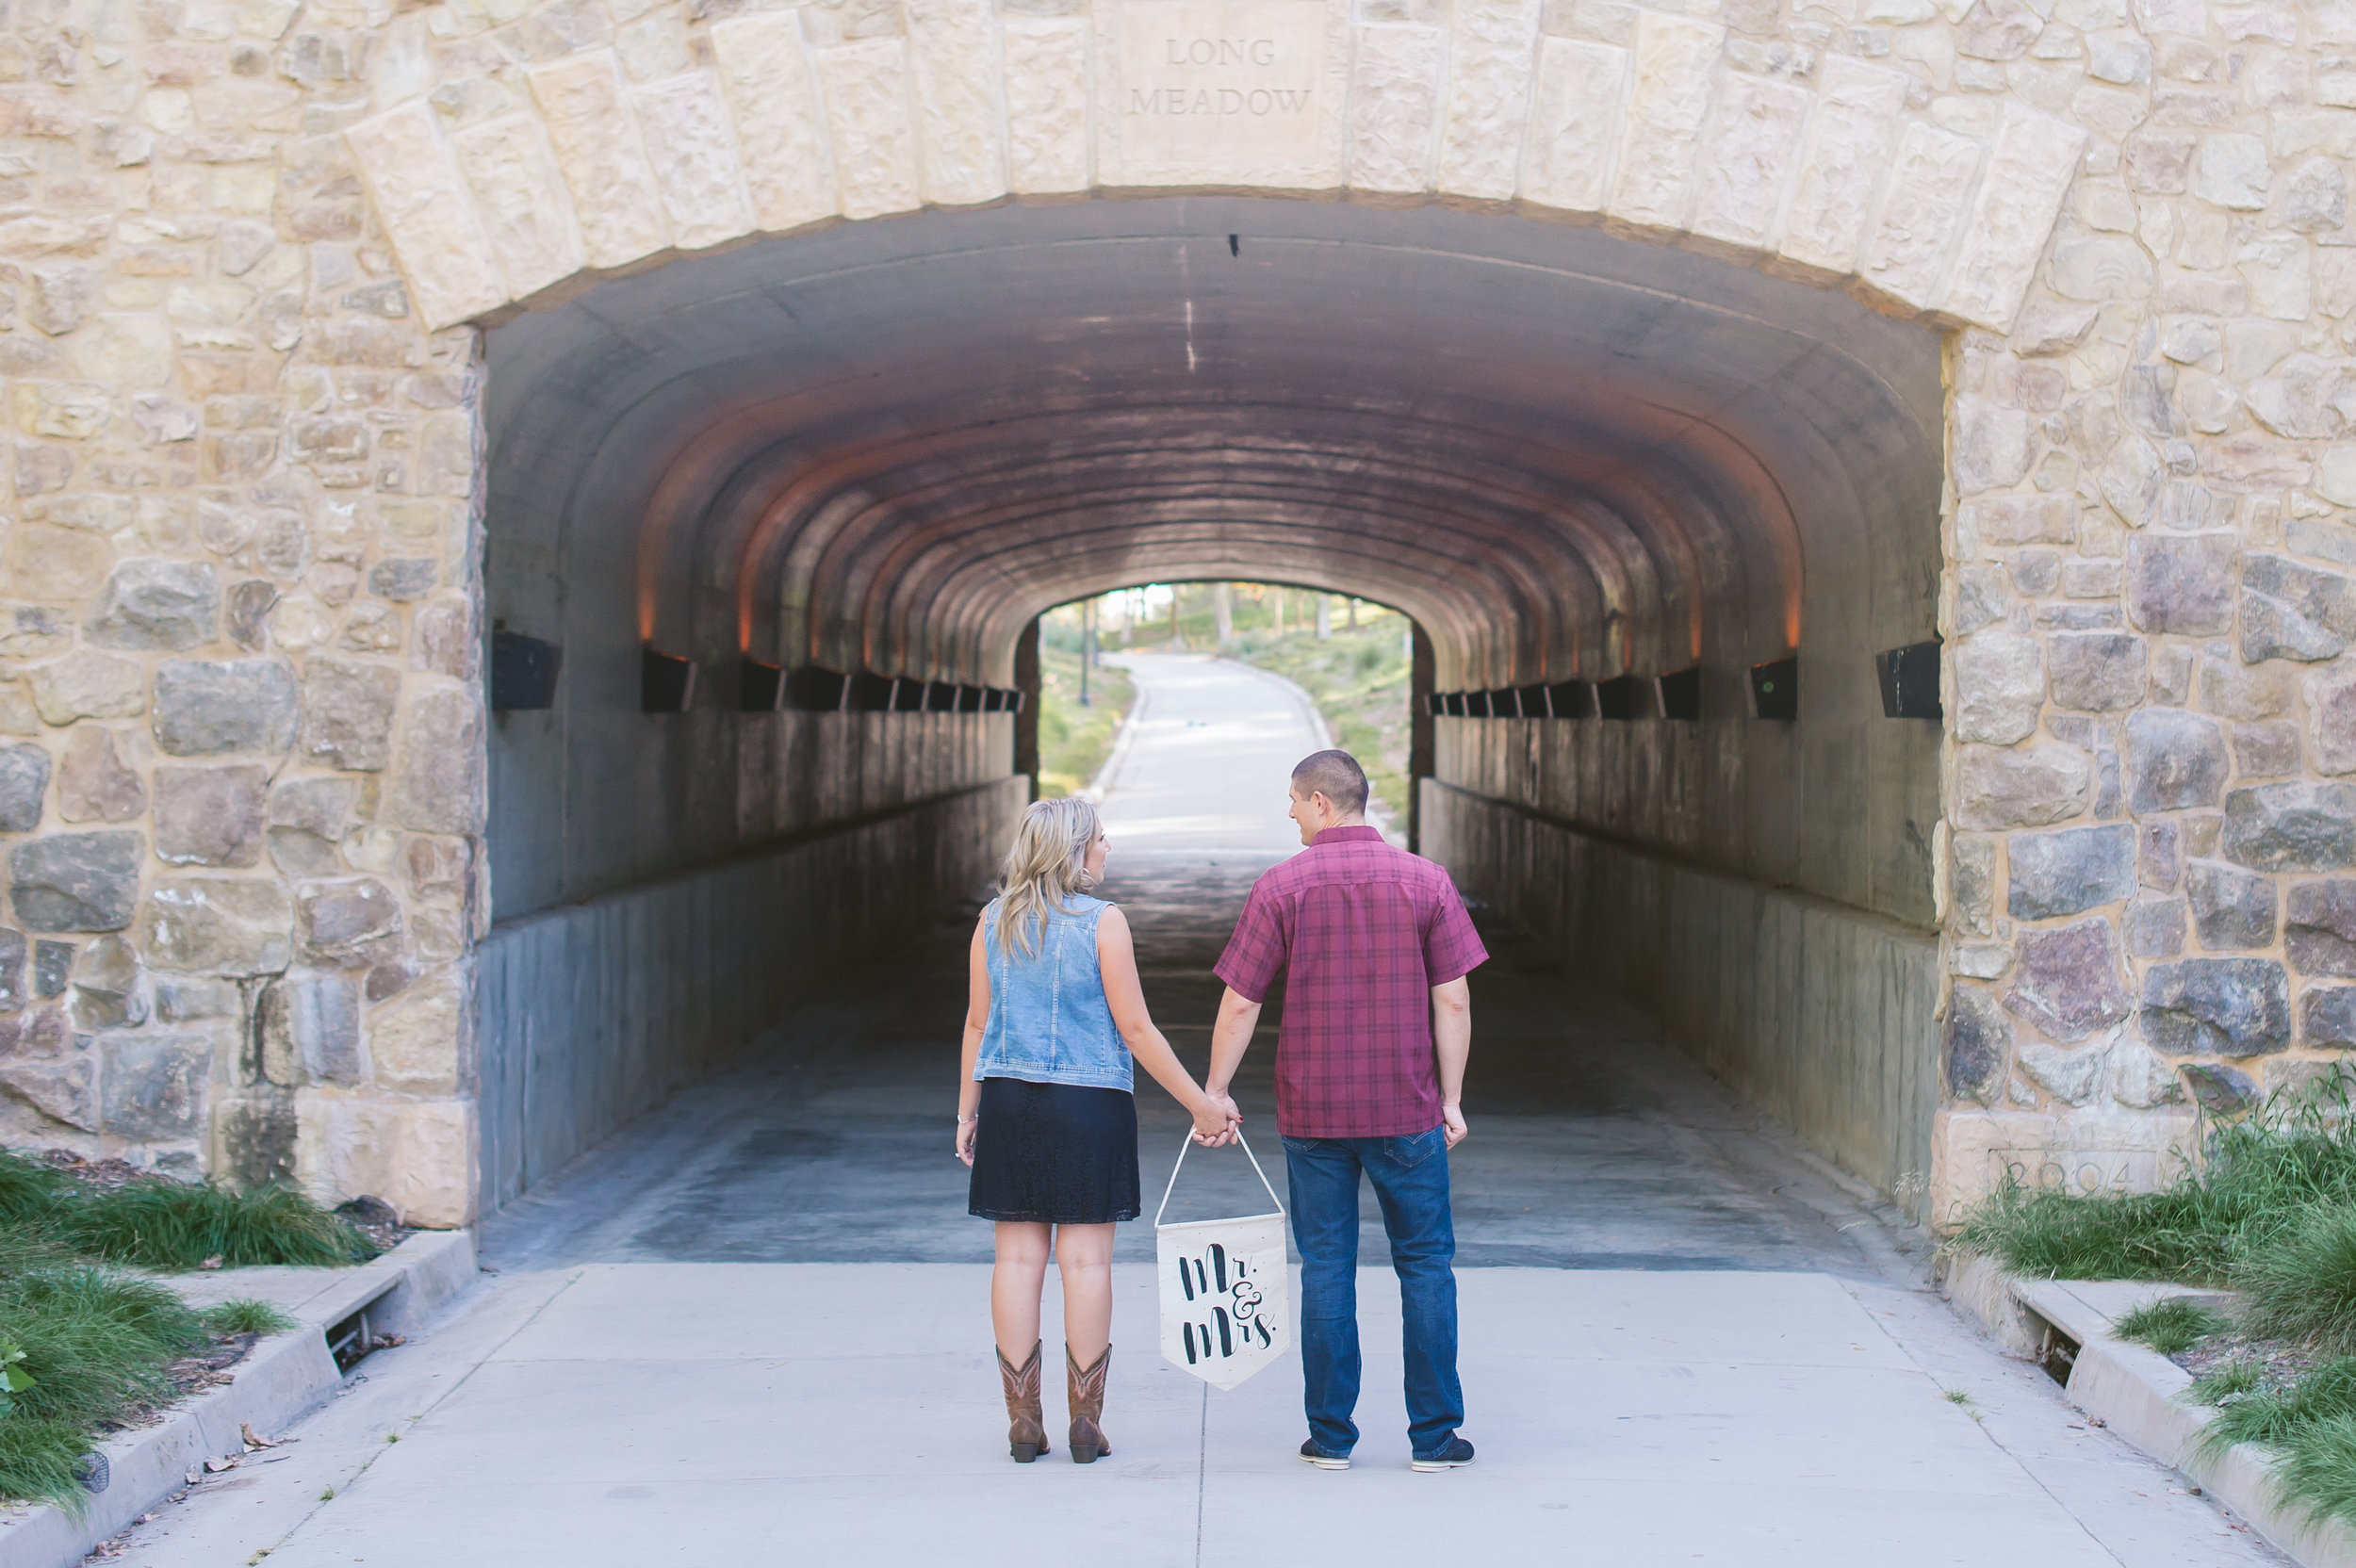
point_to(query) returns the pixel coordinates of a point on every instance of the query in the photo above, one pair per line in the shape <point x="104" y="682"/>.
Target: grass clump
<point x="2172" y="1326"/>
<point x="86" y="1346"/>
<point x="170" y="1225"/>
<point x="246" y="1314"/>
<point x="2301" y="1280"/>
<point x="2309" y="1424"/>
<point x="2264" y="1175"/>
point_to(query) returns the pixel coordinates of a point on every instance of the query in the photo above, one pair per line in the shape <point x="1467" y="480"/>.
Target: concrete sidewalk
<point x="631" y="1414"/>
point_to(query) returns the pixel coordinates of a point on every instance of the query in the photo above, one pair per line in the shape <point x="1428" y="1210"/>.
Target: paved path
<point x="754" y="1327"/>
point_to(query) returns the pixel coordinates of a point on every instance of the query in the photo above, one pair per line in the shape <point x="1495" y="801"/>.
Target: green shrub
<point x="2301" y="1280"/>
<point x="2172" y="1326"/>
<point x="246" y="1315"/>
<point x="173" y="1225"/>
<point x="2315" y="1469"/>
<point x="2271" y="1414"/>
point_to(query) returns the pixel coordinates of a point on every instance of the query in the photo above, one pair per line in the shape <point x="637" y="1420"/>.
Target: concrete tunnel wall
<point x="887" y="447"/>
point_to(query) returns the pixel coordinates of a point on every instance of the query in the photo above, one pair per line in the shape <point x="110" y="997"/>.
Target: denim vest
<point x="1049" y="1022"/>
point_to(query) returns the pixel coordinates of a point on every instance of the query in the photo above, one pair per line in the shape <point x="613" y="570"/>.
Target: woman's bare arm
<point x="1117" y="960"/>
<point x="976" y="1019"/>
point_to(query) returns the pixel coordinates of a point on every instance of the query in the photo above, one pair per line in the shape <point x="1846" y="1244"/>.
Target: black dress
<point x="1055" y="1153"/>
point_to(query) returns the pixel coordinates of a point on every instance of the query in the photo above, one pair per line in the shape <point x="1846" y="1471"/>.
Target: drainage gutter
<point x="2135" y="1392"/>
<point x="281" y="1379"/>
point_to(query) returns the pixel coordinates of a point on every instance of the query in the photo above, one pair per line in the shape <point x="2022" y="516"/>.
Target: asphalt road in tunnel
<point x="755" y="1326"/>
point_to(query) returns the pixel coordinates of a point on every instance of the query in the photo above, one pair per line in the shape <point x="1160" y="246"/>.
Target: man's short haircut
<point x="1335" y="774"/>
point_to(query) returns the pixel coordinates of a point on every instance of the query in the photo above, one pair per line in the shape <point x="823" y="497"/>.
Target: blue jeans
<point x="1410" y="1176"/>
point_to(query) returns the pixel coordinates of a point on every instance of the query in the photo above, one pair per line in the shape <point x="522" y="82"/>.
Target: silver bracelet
<point x="969" y="1120"/>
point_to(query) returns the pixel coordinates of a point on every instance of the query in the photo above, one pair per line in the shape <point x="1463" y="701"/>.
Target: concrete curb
<point x="2137" y="1393"/>
<point x="280" y="1381"/>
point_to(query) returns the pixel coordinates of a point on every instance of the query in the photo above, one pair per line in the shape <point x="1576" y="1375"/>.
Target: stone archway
<point x="251" y="249"/>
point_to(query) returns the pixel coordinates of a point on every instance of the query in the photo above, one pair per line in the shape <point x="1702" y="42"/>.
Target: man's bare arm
<point x="1452" y="1042"/>
<point x="1230" y="1036"/>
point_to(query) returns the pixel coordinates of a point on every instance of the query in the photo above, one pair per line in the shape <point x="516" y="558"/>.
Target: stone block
<point x="94" y="782"/>
<point x="52" y="963"/>
<point x="415" y="1040"/>
<point x="348" y="714"/>
<point x="421" y="198"/>
<point x="2068" y="981"/>
<point x="210" y="816"/>
<point x="2319" y="934"/>
<point x="1973" y="886"/>
<point x="2049" y="782"/>
<point x="2073" y="1076"/>
<point x="616" y="196"/>
<point x="157" y="606"/>
<point x="307" y="820"/>
<point x="437" y="787"/>
<point x="2267" y="750"/>
<point x="153" y="1086"/>
<point x="107" y="989"/>
<point x="310" y="1029"/>
<point x="761" y="65"/>
<point x="219" y="926"/>
<point x="23" y="787"/>
<point x="1922" y="213"/>
<point x="2290" y="610"/>
<point x="2000" y="688"/>
<point x="2234" y="910"/>
<point x="2160" y="853"/>
<point x="187" y="999"/>
<point x="354" y="922"/>
<point x="2096" y="671"/>
<point x="2141" y="1079"/>
<point x="1754" y="137"/>
<point x="205" y="707"/>
<point x="2070" y="871"/>
<point x="2218" y="1007"/>
<point x="2326" y="1018"/>
<point x="2175" y="760"/>
<point x="2300" y="826"/>
<point x="1979" y="1044"/>
<point x="520" y="195"/>
<point x="77" y="881"/>
<point x="1396" y="78"/>
<point x="402" y="579"/>
<point x="64" y="1092"/>
<point x="2030" y="166"/>
<point x="954" y="47"/>
<point x="34" y="631"/>
<point x="88" y="685"/>
<point x="864" y="89"/>
<point x="2182" y="583"/>
<point x="2155" y="927"/>
<point x="687" y="135"/>
<point x="2222" y="1090"/>
<point x="2331" y="714"/>
<point x="1674" y="63"/>
<point x="2233" y="690"/>
<point x="1850" y="141"/>
<point x="15" y="990"/>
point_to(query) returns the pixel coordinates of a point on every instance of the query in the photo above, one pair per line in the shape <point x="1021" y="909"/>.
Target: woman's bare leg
<point x="1014" y="1286"/>
<point x="1085" y="1255"/>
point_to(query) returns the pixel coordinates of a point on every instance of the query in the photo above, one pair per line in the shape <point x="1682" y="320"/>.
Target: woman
<point x="1045" y="1117"/>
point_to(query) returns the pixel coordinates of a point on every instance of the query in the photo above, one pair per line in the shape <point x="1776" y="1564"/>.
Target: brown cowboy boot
<point x="1026" y="1433"/>
<point x="1088" y="1406"/>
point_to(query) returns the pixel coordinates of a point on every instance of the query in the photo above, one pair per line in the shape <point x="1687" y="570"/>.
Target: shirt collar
<point x="1352" y="832"/>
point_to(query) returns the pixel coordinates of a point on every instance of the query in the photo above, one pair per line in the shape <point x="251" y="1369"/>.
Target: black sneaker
<point x="1323" y="1461"/>
<point x="1456" y="1456"/>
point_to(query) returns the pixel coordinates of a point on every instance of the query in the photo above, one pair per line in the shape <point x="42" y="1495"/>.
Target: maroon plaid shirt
<point x="1361" y="932"/>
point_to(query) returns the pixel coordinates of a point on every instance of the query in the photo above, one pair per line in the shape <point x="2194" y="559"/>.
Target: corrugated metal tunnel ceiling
<point x="889" y="444"/>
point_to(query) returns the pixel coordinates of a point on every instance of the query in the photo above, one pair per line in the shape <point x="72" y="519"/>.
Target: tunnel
<point x="767" y="526"/>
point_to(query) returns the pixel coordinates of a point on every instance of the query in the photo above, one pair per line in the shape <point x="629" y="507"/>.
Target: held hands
<point x="1453" y="1119"/>
<point x="1216" y="1120"/>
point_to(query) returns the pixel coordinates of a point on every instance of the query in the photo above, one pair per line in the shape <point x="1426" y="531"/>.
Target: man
<point x="1374" y="945"/>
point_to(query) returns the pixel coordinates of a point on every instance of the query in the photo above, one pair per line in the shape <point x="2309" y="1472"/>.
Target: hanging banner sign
<point x="1226" y="1296"/>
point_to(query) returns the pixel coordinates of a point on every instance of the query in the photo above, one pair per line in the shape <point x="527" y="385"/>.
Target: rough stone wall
<point x="242" y="791"/>
<point x="243" y="773"/>
<point x="2144" y="882"/>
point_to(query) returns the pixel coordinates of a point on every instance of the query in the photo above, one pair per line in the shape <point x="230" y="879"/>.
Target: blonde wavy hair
<point x="1046" y="866"/>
